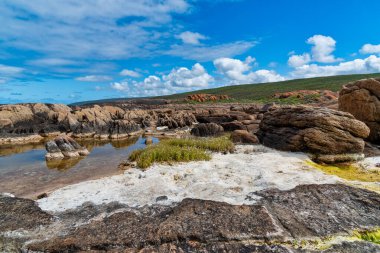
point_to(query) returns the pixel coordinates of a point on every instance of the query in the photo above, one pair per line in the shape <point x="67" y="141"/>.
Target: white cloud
<point x="94" y="78"/>
<point x="87" y="29"/>
<point x="53" y="62"/>
<point x="191" y="37"/>
<point x="323" y="47"/>
<point x="370" y="49"/>
<point x="197" y="76"/>
<point x="131" y="73"/>
<point x="120" y="86"/>
<point x="239" y="72"/>
<point x="178" y="80"/>
<point x="370" y="64"/>
<point x="7" y="73"/>
<point x="10" y="71"/>
<point x="208" y="53"/>
<point x="299" y="60"/>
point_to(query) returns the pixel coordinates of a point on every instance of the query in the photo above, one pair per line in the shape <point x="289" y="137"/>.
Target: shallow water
<point x="25" y="173"/>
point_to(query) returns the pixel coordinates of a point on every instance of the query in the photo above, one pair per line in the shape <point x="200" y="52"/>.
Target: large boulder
<point x="329" y="135"/>
<point x="207" y="129"/>
<point x="362" y="99"/>
<point x="64" y="146"/>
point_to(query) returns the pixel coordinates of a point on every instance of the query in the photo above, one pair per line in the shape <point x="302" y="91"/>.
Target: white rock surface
<point x="229" y="178"/>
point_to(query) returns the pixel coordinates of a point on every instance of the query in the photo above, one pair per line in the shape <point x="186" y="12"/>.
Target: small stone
<point x="42" y="195"/>
<point x="161" y="198"/>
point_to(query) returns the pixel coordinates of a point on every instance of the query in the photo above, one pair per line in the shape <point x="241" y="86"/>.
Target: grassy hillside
<point x="259" y="92"/>
<point x="264" y="92"/>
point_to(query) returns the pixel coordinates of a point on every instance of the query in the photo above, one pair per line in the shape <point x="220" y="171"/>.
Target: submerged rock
<point x="64" y="146"/>
<point x="362" y="99"/>
<point x="207" y="129"/>
<point x="331" y="136"/>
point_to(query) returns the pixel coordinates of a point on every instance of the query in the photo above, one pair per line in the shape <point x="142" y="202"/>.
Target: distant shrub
<point x="180" y="150"/>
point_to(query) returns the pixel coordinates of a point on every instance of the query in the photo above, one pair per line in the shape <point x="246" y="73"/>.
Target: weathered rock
<point x="64" y="146"/>
<point x="17" y="213"/>
<point x="279" y="219"/>
<point x="234" y="125"/>
<point x="207" y="129"/>
<point x="362" y="99"/>
<point x="243" y="136"/>
<point x="319" y="131"/>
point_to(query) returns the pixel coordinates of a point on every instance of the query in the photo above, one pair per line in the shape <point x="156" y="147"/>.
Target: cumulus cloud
<point x="178" y="80"/>
<point x="370" y="49"/>
<point x="131" y="73"/>
<point x="321" y="52"/>
<point x="239" y="72"/>
<point x="120" y="86"/>
<point x="370" y="64"/>
<point x="191" y="37"/>
<point x="299" y="60"/>
<point x="197" y="76"/>
<point x="94" y="78"/>
<point x="323" y="47"/>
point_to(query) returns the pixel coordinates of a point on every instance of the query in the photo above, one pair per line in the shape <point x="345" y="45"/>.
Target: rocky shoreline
<point x="256" y="199"/>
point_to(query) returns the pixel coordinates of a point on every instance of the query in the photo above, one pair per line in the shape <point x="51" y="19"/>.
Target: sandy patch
<point x="229" y="178"/>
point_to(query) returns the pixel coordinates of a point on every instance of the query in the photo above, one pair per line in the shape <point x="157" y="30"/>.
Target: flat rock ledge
<point x="304" y="219"/>
<point x="330" y="136"/>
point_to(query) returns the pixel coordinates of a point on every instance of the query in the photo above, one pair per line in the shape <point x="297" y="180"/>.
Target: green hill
<point x="264" y="92"/>
<point x="256" y="92"/>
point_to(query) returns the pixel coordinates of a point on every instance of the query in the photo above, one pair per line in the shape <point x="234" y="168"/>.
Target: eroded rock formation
<point x="279" y="222"/>
<point x="34" y="121"/>
<point x="331" y="136"/>
<point x="64" y="146"/>
<point x="362" y="99"/>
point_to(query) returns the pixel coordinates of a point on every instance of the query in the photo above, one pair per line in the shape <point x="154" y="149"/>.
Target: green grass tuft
<point x="180" y="150"/>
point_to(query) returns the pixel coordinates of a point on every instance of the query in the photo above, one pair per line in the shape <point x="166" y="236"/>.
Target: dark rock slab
<point x="303" y="213"/>
<point x="322" y="210"/>
<point x="17" y="213"/>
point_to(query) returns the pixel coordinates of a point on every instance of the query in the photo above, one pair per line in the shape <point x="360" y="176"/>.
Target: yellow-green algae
<point x="327" y="242"/>
<point x="370" y="236"/>
<point x="352" y="172"/>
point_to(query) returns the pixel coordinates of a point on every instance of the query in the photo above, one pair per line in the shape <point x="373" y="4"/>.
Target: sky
<point x="66" y="51"/>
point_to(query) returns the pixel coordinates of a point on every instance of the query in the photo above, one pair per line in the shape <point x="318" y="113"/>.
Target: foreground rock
<point x="331" y="136"/>
<point x="362" y="99"/>
<point x="282" y="221"/>
<point x="64" y="146"/>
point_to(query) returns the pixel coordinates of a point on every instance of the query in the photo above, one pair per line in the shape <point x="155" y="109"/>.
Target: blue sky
<point x="66" y="50"/>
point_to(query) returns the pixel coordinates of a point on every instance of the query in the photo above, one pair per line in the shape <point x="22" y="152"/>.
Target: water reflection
<point x="24" y="171"/>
